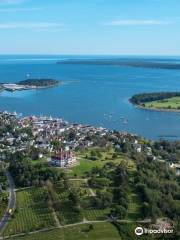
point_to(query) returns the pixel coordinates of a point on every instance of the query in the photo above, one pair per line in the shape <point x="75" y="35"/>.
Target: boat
<point x="125" y="121"/>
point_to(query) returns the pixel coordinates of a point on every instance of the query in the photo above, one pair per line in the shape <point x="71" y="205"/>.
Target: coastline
<point x="155" y="109"/>
<point x="18" y="87"/>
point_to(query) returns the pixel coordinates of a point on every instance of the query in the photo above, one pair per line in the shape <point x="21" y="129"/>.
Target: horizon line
<point x="89" y="54"/>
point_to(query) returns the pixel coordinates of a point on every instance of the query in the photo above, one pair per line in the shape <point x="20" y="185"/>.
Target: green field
<point x="86" y="164"/>
<point x="166" y="104"/>
<point x="100" y="231"/>
<point x="32" y="212"/>
<point x="134" y="211"/>
<point x="134" y="205"/>
<point x="65" y="214"/>
<point x="96" y="214"/>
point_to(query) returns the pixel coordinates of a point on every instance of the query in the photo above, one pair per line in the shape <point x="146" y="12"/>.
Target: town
<point x="83" y="174"/>
<point x="49" y="135"/>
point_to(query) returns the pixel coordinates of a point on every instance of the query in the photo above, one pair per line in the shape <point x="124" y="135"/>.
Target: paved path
<point x="11" y="203"/>
<point x="56" y="218"/>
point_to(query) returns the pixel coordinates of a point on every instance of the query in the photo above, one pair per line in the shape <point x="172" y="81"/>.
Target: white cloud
<point x="131" y="22"/>
<point x="32" y="25"/>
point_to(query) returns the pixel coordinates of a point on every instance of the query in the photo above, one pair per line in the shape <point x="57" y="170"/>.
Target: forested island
<point x="29" y="84"/>
<point x="39" y="82"/>
<point x="124" y="62"/>
<point x="165" y="101"/>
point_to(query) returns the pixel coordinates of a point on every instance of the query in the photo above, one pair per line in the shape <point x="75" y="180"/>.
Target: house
<point x="63" y="158"/>
<point x="149" y="151"/>
<point x="176" y="167"/>
<point x="137" y="147"/>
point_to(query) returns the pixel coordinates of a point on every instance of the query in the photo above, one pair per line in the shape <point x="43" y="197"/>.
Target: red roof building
<point x="63" y="158"/>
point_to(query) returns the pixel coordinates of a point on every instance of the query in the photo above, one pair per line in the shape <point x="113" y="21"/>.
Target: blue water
<point x="92" y="94"/>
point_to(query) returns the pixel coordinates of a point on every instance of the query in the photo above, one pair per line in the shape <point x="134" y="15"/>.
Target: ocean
<point x="93" y="94"/>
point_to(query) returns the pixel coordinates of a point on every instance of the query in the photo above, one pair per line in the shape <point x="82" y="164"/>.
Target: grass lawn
<point x="169" y="103"/>
<point x="86" y="164"/>
<point x="100" y="231"/>
<point x="40" y="160"/>
<point x="32" y="212"/>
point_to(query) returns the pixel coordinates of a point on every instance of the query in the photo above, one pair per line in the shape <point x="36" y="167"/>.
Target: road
<point x="11" y="202"/>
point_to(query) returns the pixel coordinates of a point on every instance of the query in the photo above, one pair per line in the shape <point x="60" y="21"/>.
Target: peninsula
<point x="29" y="84"/>
<point x="121" y="62"/>
<point x="160" y="101"/>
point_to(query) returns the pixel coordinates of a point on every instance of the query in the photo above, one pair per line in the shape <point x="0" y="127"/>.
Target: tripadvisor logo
<point x="139" y="231"/>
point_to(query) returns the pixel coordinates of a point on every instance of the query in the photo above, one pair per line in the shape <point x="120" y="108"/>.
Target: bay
<point x="92" y="94"/>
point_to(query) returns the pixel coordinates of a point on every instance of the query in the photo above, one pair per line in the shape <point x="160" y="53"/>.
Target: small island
<point x="39" y="82"/>
<point x="159" y="101"/>
<point x="29" y="84"/>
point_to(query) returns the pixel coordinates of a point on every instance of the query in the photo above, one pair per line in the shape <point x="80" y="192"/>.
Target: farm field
<point x="134" y="207"/>
<point x="32" y="212"/>
<point x="66" y="215"/>
<point x="96" y="214"/>
<point x="100" y="231"/>
<point x="169" y="103"/>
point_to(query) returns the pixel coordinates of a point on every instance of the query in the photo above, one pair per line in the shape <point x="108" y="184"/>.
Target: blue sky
<point x="132" y="27"/>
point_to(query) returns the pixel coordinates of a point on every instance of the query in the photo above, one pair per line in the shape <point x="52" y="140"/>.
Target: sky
<point x="102" y="27"/>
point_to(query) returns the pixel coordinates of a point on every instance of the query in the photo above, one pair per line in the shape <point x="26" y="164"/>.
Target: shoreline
<point x="148" y="101"/>
<point x="155" y="109"/>
<point x="18" y="87"/>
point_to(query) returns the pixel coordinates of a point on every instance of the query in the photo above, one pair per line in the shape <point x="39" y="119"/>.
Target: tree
<point x="105" y="198"/>
<point x="91" y="227"/>
<point x="74" y="197"/>
<point x="120" y="212"/>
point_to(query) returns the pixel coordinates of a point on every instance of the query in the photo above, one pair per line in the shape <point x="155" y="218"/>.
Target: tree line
<point x="141" y="98"/>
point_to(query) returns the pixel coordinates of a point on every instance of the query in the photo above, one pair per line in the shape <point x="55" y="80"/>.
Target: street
<point x="11" y="202"/>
